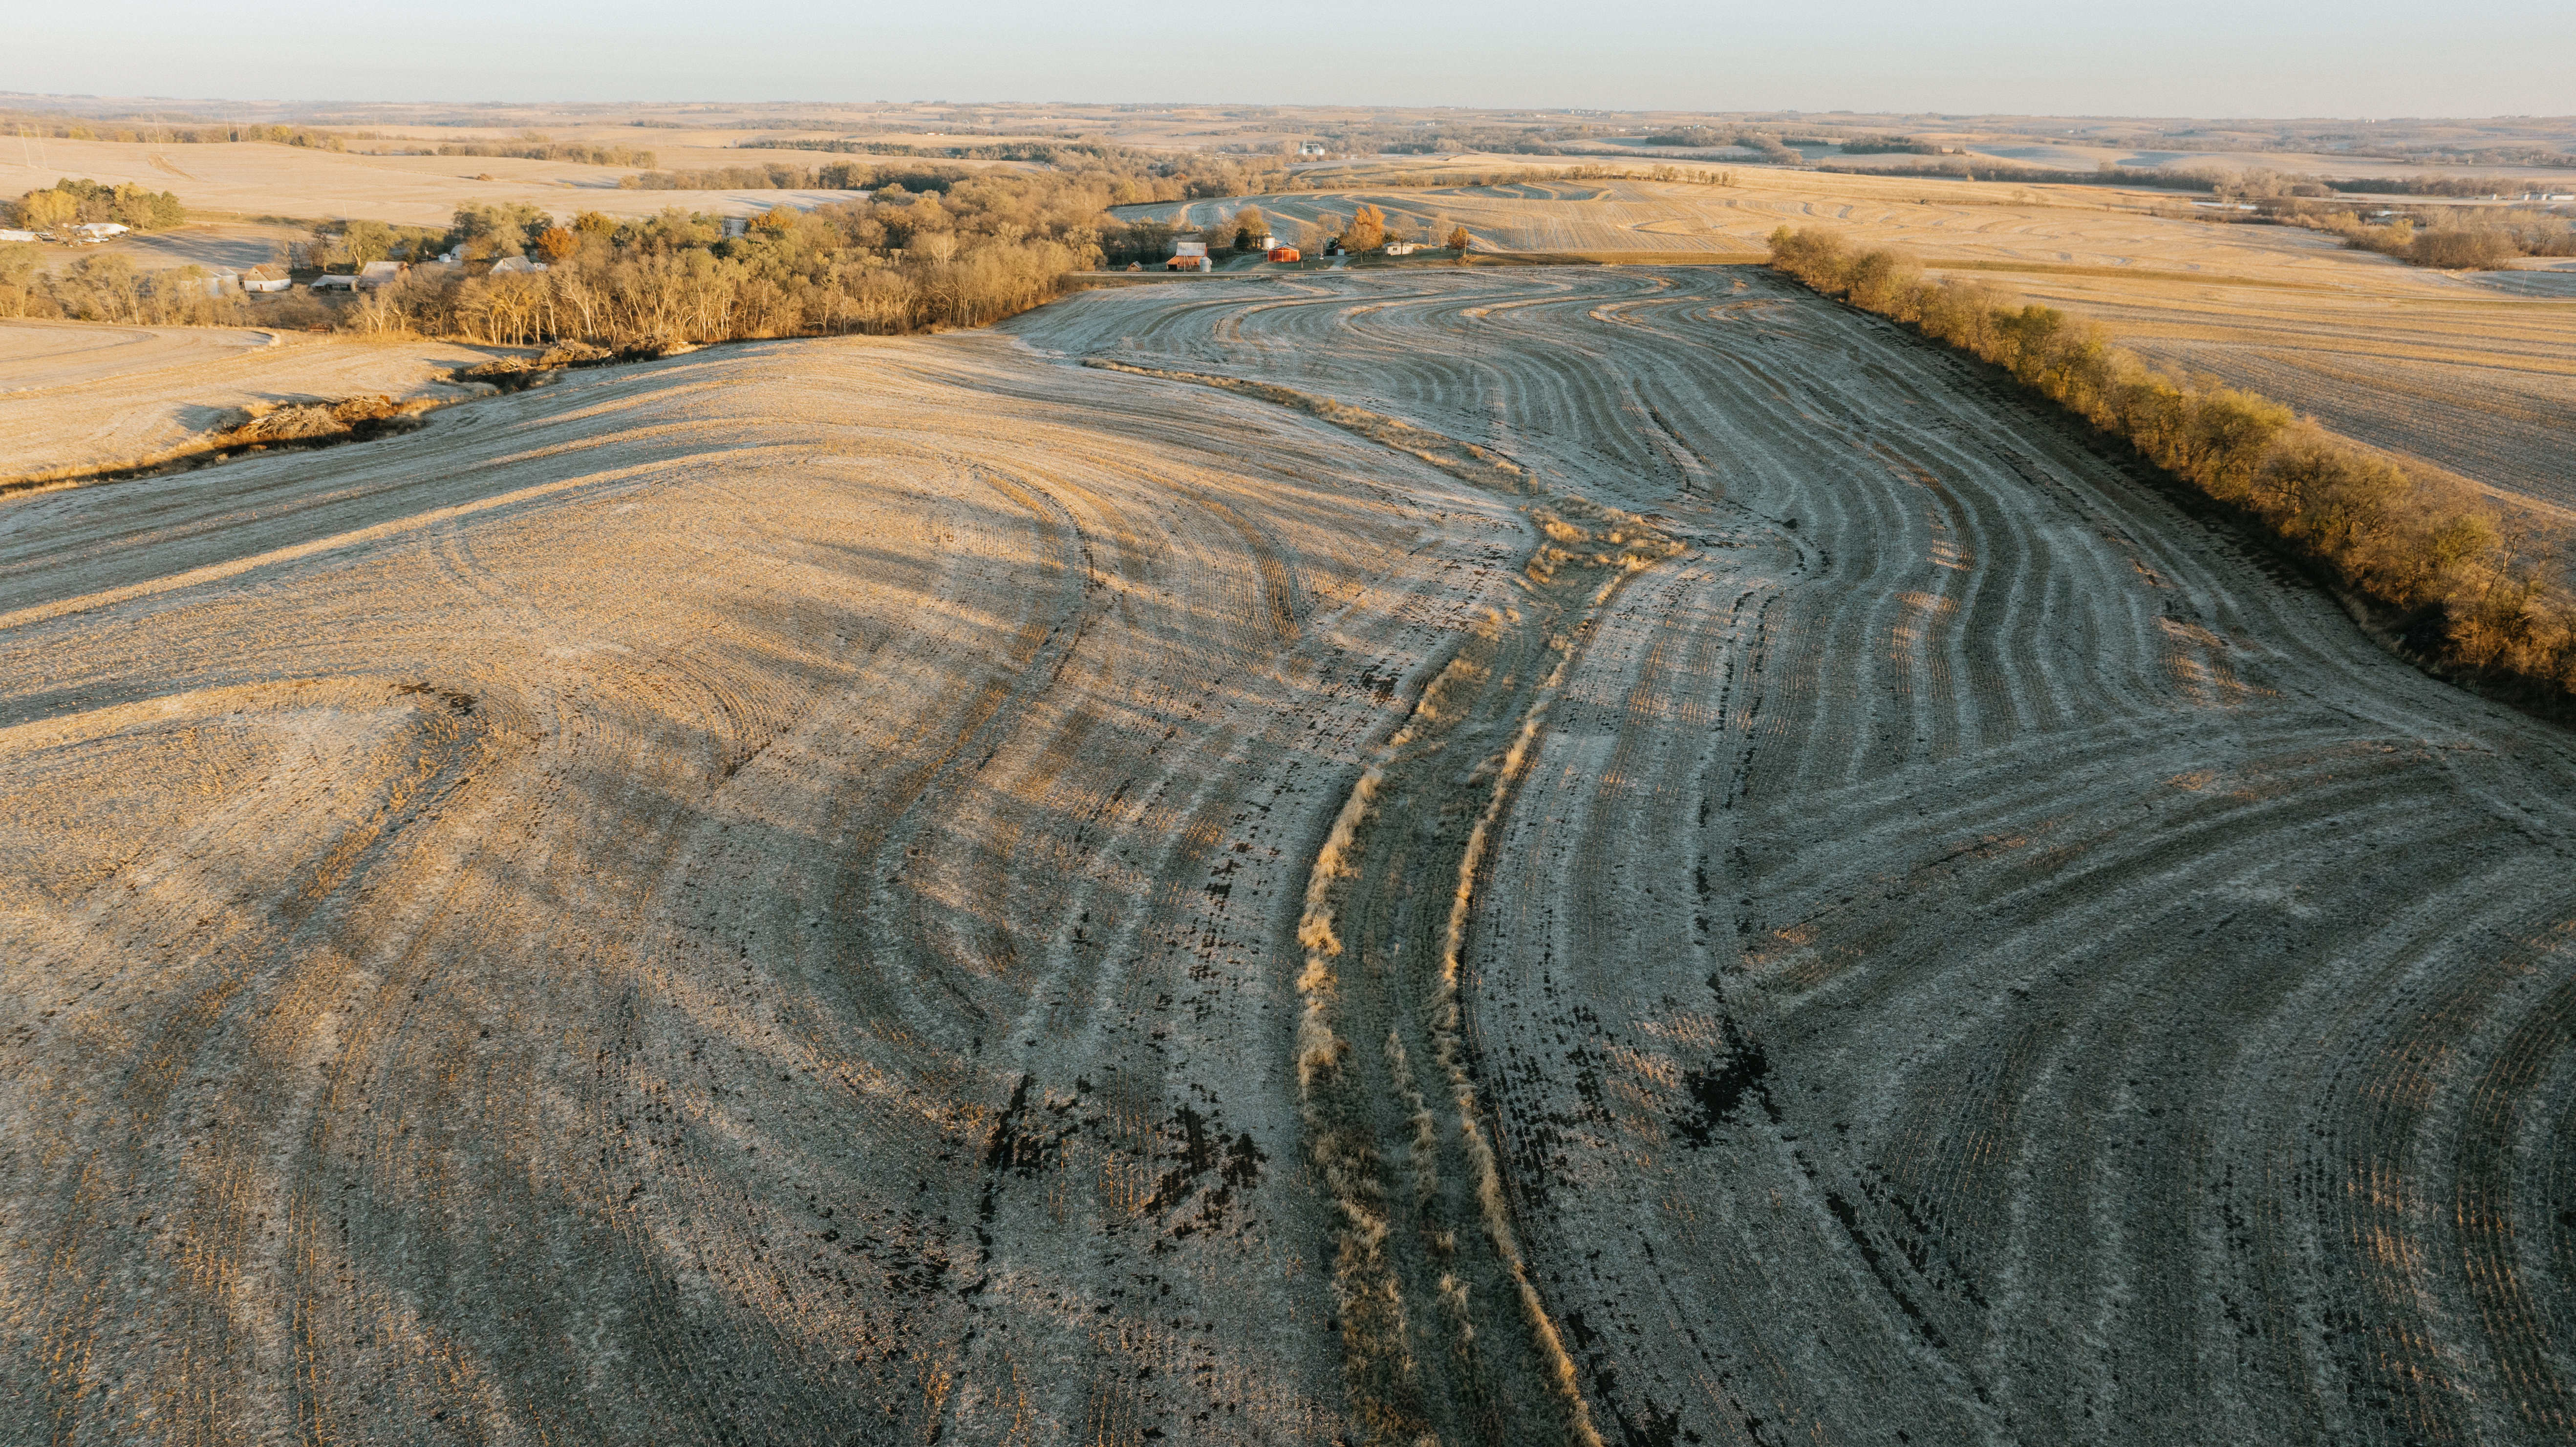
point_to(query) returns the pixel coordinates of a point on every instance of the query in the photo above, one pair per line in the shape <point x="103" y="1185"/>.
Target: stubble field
<point x="1668" y="864"/>
<point x="80" y="395"/>
<point x="259" y="179"/>
<point x="2473" y="374"/>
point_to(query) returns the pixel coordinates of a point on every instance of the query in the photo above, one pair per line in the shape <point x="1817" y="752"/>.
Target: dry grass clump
<point x="304" y="420"/>
<point x="293" y="424"/>
<point x="511" y="374"/>
<point x="1583" y="533"/>
<point x="2474" y="597"/>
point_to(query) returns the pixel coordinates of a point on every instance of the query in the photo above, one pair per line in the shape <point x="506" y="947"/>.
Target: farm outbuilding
<point x="1283" y="253"/>
<point x="270" y="277"/>
<point x="1199" y="262"/>
<point x="380" y="273"/>
<point x="12" y="233"/>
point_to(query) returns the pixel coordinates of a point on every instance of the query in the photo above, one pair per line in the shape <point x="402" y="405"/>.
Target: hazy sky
<point x="2182" y="57"/>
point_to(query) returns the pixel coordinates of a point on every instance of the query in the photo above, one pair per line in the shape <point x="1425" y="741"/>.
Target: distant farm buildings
<point x="516" y="265"/>
<point x="12" y="233"/>
<point x="380" y="273"/>
<point x="270" y="277"/>
<point x="1189" y="256"/>
<point x="90" y="233"/>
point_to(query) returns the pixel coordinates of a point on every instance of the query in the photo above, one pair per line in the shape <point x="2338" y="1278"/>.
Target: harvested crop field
<point x="2473" y="374"/>
<point x="1495" y="855"/>
<point x="89" y="395"/>
<point x="260" y="179"/>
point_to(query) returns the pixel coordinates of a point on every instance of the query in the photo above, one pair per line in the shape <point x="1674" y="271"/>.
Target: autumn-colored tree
<point x="592" y="223"/>
<point x="365" y="241"/>
<point x="556" y="245"/>
<point x="1459" y="240"/>
<point x="45" y="210"/>
<point x="1249" y="227"/>
<point x="1367" y="231"/>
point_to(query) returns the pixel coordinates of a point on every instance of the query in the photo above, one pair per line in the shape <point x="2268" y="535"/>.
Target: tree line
<point x="529" y="146"/>
<point x="1415" y="180"/>
<point x="537" y="147"/>
<point x="108" y="288"/>
<point x="676" y="279"/>
<point x="1762" y="143"/>
<point x="69" y="203"/>
<point x="2451" y="238"/>
<point x="1127" y="175"/>
<point x="2475" y="595"/>
<point x="2445" y="239"/>
<point x="1045" y="153"/>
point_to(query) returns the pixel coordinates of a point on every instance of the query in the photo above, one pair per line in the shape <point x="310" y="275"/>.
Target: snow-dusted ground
<point x="758" y="897"/>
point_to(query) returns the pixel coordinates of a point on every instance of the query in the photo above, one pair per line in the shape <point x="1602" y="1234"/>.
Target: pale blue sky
<point x="2186" y="57"/>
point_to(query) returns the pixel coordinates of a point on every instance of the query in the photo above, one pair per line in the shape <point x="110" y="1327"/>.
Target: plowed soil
<point x="1532" y="856"/>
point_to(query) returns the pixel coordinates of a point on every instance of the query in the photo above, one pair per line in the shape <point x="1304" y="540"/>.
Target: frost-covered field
<point x="1620" y="853"/>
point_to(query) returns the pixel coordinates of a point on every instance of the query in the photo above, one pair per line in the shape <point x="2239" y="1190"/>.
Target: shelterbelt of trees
<point x="929" y="246"/>
<point x="182" y="131"/>
<point x="68" y="202"/>
<point x="2466" y="594"/>
<point x="893" y="262"/>
<point x="1121" y="175"/>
